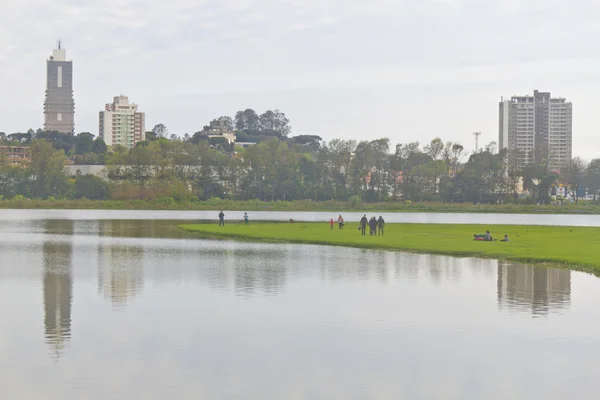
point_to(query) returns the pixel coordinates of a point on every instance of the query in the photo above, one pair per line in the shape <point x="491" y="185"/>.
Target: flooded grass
<point x="573" y="247"/>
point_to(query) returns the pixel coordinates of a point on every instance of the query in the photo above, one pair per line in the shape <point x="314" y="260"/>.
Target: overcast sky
<point x="405" y="69"/>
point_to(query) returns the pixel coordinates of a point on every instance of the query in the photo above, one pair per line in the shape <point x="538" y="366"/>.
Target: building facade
<point x="216" y="129"/>
<point x="59" y="106"/>
<point x="122" y="124"/>
<point x="15" y="155"/>
<point x="540" y="127"/>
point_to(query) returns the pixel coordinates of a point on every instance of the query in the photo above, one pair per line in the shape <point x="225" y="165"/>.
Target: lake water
<point x="421" y="218"/>
<point x="108" y="309"/>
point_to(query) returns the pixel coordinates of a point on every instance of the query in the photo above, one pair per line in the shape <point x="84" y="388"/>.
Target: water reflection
<point x="539" y="289"/>
<point x="57" y="285"/>
<point x="120" y="272"/>
<point x="396" y="319"/>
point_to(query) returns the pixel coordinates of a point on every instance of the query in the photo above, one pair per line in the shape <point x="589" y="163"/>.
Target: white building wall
<point x="119" y="123"/>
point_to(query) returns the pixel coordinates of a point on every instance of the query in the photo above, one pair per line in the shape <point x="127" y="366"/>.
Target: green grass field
<point x="573" y="247"/>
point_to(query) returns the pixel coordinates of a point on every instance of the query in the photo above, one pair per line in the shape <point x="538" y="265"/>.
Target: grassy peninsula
<point x="573" y="247"/>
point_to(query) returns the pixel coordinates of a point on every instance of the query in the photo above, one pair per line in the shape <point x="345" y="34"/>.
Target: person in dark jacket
<point x="221" y="219"/>
<point x="363" y="225"/>
<point x="373" y="226"/>
<point x="380" y="225"/>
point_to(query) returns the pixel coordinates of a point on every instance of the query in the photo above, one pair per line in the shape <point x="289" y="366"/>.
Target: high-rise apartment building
<point x="59" y="106"/>
<point x="122" y="124"/>
<point x="539" y="126"/>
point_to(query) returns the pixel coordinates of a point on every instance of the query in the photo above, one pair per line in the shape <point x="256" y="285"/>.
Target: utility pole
<point x="476" y="134"/>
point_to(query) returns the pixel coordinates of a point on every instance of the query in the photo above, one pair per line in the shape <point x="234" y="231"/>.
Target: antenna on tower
<point x="476" y="134"/>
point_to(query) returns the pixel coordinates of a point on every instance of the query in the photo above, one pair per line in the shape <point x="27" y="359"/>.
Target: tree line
<point x="284" y="167"/>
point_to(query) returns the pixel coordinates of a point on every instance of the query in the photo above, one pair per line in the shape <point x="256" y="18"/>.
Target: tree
<point x="160" y="131"/>
<point x="593" y="177"/>
<point x="435" y="150"/>
<point x="311" y="142"/>
<point x="574" y="175"/>
<point x="99" y="147"/>
<point x="91" y="187"/>
<point x="492" y="147"/>
<point x="247" y="120"/>
<point x="47" y="170"/>
<point x="274" y="123"/>
<point x="84" y="143"/>
<point x="227" y="122"/>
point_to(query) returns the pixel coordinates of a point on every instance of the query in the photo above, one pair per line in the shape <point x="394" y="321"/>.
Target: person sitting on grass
<point x="477" y="237"/>
<point x="505" y="239"/>
<point x="487" y="237"/>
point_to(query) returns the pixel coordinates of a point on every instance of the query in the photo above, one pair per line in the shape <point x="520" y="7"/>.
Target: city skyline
<point x="331" y="75"/>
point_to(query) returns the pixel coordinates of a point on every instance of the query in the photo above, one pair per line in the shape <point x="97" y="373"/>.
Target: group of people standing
<point x="376" y="225"/>
<point x="222" y="218"/>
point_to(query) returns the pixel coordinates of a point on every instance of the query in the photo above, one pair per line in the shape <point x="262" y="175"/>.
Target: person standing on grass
<point x="331" y="223"/>
<point x="380" y="225"/>
<point x="363" y="224"/>
<point x="373" y="226"/>
<point x="221" y="218"/>
<point x="341" y="222"/>
<point x="246" y="219"/>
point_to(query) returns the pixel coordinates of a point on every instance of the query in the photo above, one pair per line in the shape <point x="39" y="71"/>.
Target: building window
<point x="59" y="117"/>
<point x="59" y="77"/>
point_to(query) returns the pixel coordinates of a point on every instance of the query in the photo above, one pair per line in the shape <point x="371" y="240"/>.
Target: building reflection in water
<point x="120" y="276"/>
<point x="536" y="289"/>
<point x="58" y="284"/>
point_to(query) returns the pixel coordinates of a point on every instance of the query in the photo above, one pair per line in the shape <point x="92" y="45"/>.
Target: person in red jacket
<point x="331" y="223"/>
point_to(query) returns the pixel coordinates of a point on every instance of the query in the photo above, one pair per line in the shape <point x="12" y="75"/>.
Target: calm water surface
<point x="421" y="218"/>
<point x="108" y="309"/>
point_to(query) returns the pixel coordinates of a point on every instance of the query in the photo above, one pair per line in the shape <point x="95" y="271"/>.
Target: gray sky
<point x="406" y="69"/>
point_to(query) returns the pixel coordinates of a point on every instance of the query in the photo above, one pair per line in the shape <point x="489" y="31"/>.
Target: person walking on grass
<point x="221" y="218"/>
<point x="331" y="223"/>
<point x="341" y="222"/>
<point x="246" y="219"/>
<point x="380" y="225"/>
<point x="363" y="225"/>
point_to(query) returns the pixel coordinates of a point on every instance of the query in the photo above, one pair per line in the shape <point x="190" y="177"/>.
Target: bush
<point x="165" y="200"/>
<point x="354" y="201"/>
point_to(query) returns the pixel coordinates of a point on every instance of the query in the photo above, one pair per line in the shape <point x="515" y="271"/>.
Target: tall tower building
<point x="539" y="126"/>
<point x="122" y="124"/>
<point x="59" y="107"/>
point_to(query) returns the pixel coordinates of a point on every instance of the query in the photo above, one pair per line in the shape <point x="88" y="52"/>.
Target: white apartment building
<point x="538" y="122"/>
<point x="122" y="124"/>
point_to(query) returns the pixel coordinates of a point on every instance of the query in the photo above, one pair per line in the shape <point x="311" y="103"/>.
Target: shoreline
<point x="300" y="206"/>
<point x="573" y="248"/>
